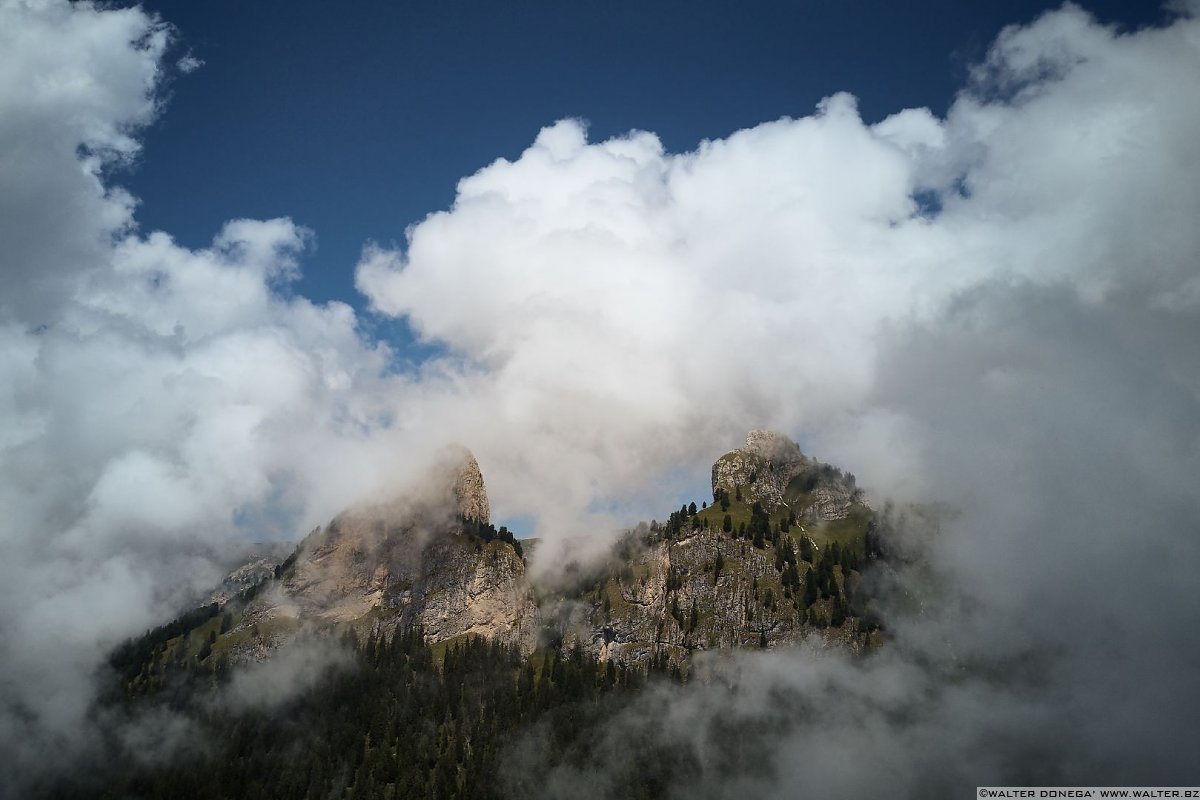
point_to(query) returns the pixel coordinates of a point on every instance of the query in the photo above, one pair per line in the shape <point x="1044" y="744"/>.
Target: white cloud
<point x="189" y="64"/>
<point x="151" y="395"/>
<point x="1026" y="354"/>
<point x="80" y="93"/>
<point x="296" y="667"/>
<point x="611" y="294"/>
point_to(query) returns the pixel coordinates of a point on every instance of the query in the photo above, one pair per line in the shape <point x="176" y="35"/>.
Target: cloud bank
<point x="626" y="307"/>
<point x="155" y="402"/>
<point x="997" y="309"/>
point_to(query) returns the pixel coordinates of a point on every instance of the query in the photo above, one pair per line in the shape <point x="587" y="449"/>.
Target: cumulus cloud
<point x="71" y="109"/>
<point x="156" y="403"/>
<point x="995" y="309"/>
<point x="189" y="63"/>
<point x="608" y="296"/>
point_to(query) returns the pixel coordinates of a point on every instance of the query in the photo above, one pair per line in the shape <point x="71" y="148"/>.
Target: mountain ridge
<point x="776" y="558"/>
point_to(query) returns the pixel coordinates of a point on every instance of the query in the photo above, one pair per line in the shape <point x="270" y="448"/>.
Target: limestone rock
<point x="470" y="587"/>
<point x="409" y="561"/>
<point x="771" y="469"/>
<point x="413" y="561"/>
<point x="704" y="589"/>
<point x="762" y="468"/>
<point x="469" y="491"/>
<point x="646" y="612"/>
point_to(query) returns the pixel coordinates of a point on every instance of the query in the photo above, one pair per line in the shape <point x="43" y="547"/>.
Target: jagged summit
<point x="773" y="446"/>
<point x="451" y="488"/>
<point x="771" y="469"/>
<point x="775" y="558"/>
<point x="761" y="469"/>
<point x="427" y="556"/>
<point x="469" y="491"/>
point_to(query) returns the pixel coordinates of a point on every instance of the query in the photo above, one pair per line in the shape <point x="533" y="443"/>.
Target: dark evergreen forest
<point x="403" y="720"/>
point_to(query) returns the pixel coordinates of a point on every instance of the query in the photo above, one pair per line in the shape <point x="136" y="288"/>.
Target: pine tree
<point x="811" y="590"/>
<point x="806" y="549"/>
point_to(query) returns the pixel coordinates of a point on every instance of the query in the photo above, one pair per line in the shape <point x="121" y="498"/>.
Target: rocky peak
<point x="774" y="447"/>
<point x="469" y="492"/>
<point x="771" y="469"/>
<point x="411" y="560"/>
<point x="761" y="469"/>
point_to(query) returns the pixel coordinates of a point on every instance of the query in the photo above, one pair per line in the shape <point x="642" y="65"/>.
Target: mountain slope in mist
<point x="777" y="556"/>
<point x="416" y="592"/>
<point x="425" y="557"/>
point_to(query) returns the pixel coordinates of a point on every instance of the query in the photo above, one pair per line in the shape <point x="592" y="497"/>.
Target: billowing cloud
<point x="995" y="309"/>
<point x="623" y="307"/>
<point x="155" y="402"/>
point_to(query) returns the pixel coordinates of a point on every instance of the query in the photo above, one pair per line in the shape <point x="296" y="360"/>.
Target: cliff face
<point x="405" y="562"/>
<point x="647" y="609"/>
<point x="694" y="586"/>
<point x="470" y="495"/>
<point x="670" y="601"/>
<point x="469" y="587"/>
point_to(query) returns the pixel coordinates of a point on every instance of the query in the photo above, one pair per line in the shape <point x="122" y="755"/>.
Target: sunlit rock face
<point x="406" y="561"/>
<point x="671" y="593"/>
<point x="470" y="494"/>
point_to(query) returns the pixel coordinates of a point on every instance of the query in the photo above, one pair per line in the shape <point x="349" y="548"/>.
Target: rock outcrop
<point x="469" y="491"/>
<point x="761" y="469"/>
<point x="694" y="586"/>
<point x="247" y="565"/>
<point x="409" y="561"/>
<point x="670" y="601"/>
<point x="771" y="469"/>
<point x="466" y="586"/>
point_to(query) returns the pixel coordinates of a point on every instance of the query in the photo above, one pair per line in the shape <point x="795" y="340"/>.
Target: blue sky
<point x="359" y="119"/>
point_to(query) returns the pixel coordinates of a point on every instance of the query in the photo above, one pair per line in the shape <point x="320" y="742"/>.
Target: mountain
<point x="775" y="558"/>
<point x="404" y="650"/>
<point x="428" y="557"/>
